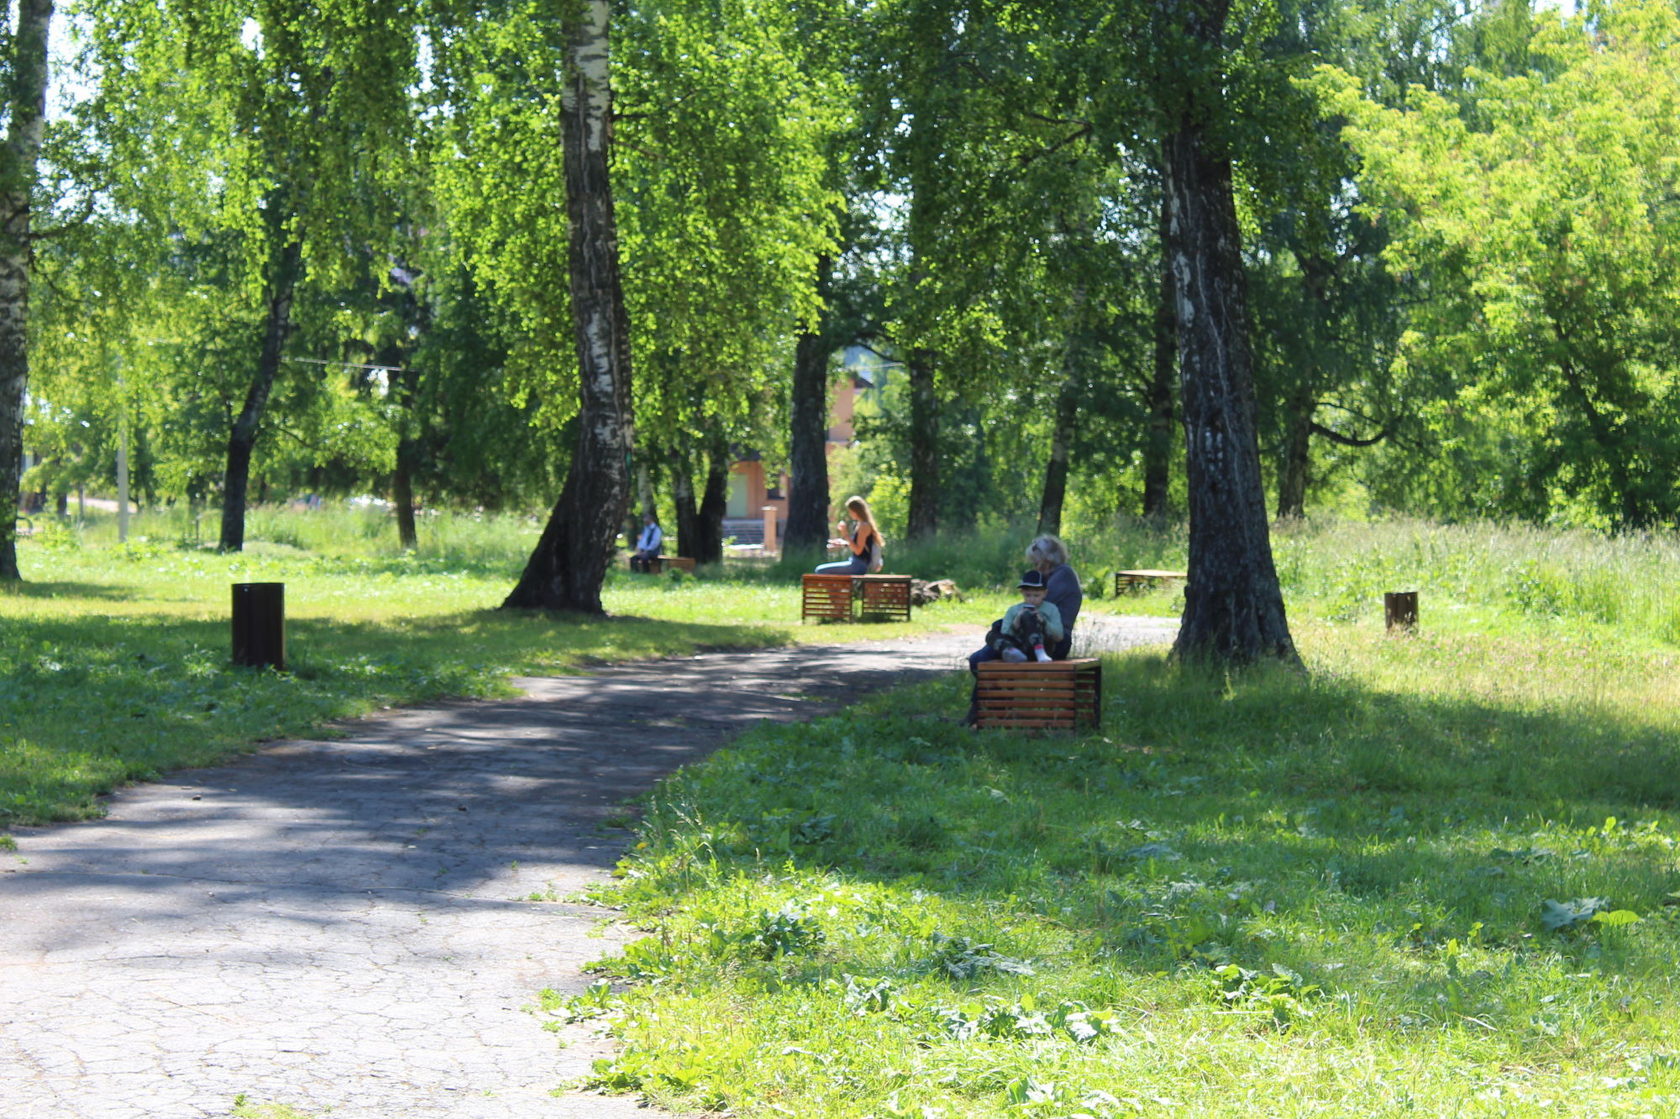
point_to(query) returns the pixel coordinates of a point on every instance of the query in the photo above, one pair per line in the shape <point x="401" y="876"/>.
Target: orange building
<point x="751" y="490"/>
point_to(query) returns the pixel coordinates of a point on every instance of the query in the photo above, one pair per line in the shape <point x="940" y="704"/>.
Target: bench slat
<point x="1059" y="695"/>
<point x="855" y="597"/>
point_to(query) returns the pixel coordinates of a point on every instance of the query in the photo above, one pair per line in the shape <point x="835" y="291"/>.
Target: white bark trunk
<point x="18" y="158"/>
<point x="566" y="569"/>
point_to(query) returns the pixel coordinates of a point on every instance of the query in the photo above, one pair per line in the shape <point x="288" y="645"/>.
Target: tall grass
<point x="460" y="541"/>
<point x="1628" y="582"/>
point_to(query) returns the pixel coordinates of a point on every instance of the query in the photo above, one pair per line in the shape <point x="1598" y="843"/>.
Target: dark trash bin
<point x="259" y="625"/>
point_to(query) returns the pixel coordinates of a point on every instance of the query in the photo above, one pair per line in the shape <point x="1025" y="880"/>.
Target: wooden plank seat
<point x="851" y="598"/>
<point x="827" y="598"/>
<point x="883" y="598"/>
<point x="658" y="565"/>
<point x="1060" y="695"/>
<point x="1133" y="581"/>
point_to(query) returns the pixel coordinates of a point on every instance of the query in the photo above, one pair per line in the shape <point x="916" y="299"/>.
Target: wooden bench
<point x="660" y="564"/>
<point x="849" y="598"/>
<point x="1060" y="695"/>
<point x="827" y="598"/>
<point x="1130" y="582"/>
<point x="882" y="598"/>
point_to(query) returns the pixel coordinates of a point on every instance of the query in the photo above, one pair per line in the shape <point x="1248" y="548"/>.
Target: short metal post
<point x="1400" y="611"/>
<point x="259" y="625"/>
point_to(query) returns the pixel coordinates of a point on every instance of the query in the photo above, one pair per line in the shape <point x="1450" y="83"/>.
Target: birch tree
<point x="566" y="568"/>
<point x="1233" y="607"/>
<point x="24" y="52"/>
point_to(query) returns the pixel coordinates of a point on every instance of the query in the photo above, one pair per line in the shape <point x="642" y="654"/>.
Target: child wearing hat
<point x="1029" y="624"/>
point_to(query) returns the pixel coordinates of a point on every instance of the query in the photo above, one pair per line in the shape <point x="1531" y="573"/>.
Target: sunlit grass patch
<point x="115" y="664"/>
<point x="1433" y="876"/>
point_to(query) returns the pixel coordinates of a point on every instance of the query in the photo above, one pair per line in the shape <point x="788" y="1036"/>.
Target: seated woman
<point x="865" y="543"/>
<point x="1049" y="556"/>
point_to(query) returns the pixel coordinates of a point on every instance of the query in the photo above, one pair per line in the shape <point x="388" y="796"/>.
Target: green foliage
<point x="1530" y="214"/>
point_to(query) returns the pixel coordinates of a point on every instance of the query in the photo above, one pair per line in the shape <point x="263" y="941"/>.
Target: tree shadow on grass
<point x="61" y="589"/>
<point x="1209" y="820"/>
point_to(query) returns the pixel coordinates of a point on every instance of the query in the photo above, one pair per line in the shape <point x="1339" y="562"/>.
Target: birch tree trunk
<point x="1233" y="608"/>
<point x="570" y="560"/>
<point x="18" y="157"/>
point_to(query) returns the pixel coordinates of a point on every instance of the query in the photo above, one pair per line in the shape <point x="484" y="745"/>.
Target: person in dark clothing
<point x="1061" y="587"/>
<point x="1048" y="556"/>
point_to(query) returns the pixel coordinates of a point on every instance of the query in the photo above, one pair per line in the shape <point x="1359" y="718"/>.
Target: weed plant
<point x="1429" y="876"/>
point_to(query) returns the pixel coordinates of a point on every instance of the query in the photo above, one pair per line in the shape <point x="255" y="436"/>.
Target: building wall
<point x="750" y="490"/>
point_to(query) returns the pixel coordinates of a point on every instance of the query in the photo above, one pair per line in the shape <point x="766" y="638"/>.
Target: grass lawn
<point x="1431" y="875"/>
<point x="114" y="661"/>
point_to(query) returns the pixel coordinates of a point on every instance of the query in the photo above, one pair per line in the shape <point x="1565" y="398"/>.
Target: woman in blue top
<point x="865" y="543"/>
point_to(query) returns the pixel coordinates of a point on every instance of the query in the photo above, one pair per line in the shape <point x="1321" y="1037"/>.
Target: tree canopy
<point x="328" y="248"/>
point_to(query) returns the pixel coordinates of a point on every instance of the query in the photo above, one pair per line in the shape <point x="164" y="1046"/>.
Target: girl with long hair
<point x="865" y="543"/>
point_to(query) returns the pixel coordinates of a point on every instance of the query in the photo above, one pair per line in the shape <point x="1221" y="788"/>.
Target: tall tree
<point x="24" y="54"/>
<point x="566" y="568"/>
<point x="245" y="131"/>
<point x="1537" y="207"/>
<point x="1233" y="606"/>
<point x="733" y="118"/>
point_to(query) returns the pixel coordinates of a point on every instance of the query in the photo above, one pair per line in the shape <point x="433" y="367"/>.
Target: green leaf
<point x="1561" y="916"/>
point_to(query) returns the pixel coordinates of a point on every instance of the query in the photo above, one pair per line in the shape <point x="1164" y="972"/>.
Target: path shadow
<point x="475" y="804"/>
<point x="104" y="701"/>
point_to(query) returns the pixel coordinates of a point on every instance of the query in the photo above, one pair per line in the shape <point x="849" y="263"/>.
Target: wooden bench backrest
<point x="827" y="596"/>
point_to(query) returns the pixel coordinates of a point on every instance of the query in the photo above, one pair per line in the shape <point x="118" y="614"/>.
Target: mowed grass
<point x="115" y="660"/>
<point x="1431" y="876"/>
<point x="1428" y="875"/>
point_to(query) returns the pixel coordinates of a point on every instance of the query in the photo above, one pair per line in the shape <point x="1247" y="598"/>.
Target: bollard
<point x="259" y="625"/>
<point x="1400" y="611"/>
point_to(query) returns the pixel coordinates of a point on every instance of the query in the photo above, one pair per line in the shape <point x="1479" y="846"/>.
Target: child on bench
<point x="1027" y="626"/>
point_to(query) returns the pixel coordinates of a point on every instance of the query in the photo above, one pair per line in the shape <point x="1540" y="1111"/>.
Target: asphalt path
<point x="348" y="927"/>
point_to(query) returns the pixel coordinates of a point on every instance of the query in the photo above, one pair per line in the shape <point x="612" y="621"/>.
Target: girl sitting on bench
<point x="865" y="543"/>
